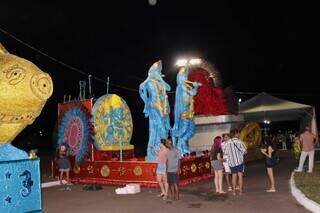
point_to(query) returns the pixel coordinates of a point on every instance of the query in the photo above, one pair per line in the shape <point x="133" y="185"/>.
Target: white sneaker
<point x="296" y="170"/>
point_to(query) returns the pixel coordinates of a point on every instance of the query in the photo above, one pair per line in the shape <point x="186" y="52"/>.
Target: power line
<point x="64" y="64"/>
<point x="135" y="77"/>
<point x="42" y="53"/>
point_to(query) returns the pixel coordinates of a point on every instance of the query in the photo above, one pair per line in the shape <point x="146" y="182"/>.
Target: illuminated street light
<point x="186" y="62"/>
<point x="152" y="2"/>
<point x="240" y="100"/>
<point x="195" y="61"/>
<point x="181" y="62"/>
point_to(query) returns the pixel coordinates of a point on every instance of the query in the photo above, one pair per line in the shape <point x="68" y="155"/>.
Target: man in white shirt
<point x="235" y="149"/>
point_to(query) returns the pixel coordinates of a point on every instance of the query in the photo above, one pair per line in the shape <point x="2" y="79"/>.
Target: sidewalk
<point x="198" y="197"/>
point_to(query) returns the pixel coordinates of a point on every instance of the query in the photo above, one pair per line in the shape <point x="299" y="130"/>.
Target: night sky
<point x="256" y="46"/>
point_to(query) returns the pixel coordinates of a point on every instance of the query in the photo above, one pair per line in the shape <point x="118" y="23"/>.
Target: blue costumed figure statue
<point x="153" y="93"/>
<point x="184" y="127"/>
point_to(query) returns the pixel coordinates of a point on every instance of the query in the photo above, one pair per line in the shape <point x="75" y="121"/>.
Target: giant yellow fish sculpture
<point x="24" y="90"/>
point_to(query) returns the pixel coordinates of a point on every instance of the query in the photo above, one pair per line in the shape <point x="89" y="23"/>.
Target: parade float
<point x="98" y="132"/>
<point x="24" y="90"/>
<point x="216" y="112"/>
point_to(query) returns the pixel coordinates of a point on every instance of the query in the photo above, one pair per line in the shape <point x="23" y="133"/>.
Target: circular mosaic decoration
<point x="251" y="135"/>
<point x="74" y="130"/>
<point x="105" y="171"/>
<point x="112" y="122"/>
<point x="193" y="168"/>
<point x="137" y="170"/>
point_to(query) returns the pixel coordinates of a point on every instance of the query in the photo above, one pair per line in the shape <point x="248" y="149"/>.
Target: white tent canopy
<point x="267" y="107"/>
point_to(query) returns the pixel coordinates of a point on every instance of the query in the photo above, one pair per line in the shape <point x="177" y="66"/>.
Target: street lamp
<point x="181" y="62"/>
<point x="195" y="61"/>
<point x="186" y="62"/>
<point x="266" y="126"/>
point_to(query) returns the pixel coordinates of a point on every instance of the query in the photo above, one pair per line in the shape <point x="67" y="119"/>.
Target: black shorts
<point x="237" y="169"/>
<point x="173" y="178"/>
<point x="270" y="163"/>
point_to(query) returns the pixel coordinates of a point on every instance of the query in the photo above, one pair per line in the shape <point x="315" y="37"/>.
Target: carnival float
<point x="98" y="132"/>
<point x="24" y="90"/>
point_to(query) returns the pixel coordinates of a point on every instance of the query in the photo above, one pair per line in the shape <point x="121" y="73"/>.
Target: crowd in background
<point x="301" y="144"/>
<point x="228" y="153"/>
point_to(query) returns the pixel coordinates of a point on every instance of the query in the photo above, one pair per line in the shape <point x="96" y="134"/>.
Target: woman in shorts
<point x="268" y="151"/>
<point x="216" y="160"/>
<point x="162" y="169"/>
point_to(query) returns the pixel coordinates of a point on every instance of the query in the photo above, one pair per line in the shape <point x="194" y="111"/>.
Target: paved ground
<point x="194" y="198"/>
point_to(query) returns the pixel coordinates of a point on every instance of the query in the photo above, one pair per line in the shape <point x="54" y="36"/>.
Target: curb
<point x="50" y="184"/>
<point x="301" y="198"/>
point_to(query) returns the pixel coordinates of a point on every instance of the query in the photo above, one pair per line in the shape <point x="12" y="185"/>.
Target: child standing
<point x="64" y="163"/>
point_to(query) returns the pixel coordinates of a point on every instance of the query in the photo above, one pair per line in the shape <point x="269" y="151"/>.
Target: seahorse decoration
<point x="27" y="183"/>
<point x="153" y="93"/>
<point x="184" y="127"/>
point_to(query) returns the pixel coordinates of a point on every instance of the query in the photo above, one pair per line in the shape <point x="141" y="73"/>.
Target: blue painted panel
<point x="20" y="186"/>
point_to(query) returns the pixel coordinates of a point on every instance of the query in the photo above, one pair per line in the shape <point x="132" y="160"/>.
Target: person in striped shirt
<point x="235" y="149"/>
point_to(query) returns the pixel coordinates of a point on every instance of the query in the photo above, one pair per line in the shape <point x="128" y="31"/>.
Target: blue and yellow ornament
<point x="112" y="123"/>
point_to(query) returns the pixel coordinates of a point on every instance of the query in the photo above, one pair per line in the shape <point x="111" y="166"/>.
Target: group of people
<point x="303" y="146"/>
<point x="227" y="154"/>
<point x="168" y="169"/>
<point x="227" y="157"/>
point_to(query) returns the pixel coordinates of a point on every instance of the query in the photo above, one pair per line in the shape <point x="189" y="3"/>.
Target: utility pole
<point x="107" y="85"/>
<point x="90" y="94"/>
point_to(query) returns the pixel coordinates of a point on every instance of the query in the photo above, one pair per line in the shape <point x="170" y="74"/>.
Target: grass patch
<point x="309" y="183"/>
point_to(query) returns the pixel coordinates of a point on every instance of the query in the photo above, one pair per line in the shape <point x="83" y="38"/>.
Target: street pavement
<point x="198" y="197"/>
